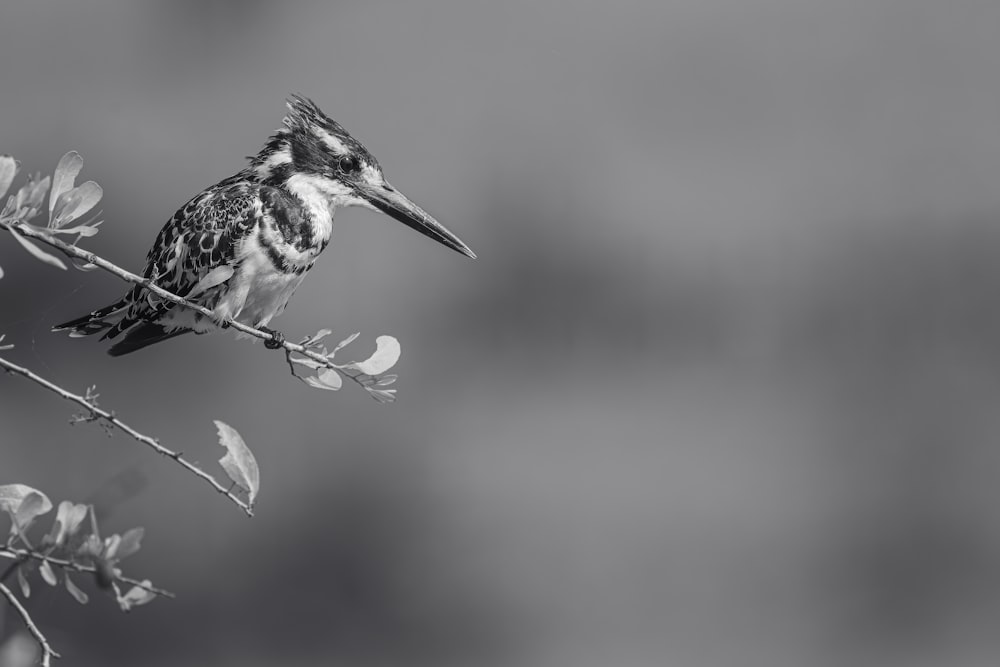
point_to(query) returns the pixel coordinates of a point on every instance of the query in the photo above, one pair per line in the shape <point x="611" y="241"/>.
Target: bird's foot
<point x="276" y="340"/>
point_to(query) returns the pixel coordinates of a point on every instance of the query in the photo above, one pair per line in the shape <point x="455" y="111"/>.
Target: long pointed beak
<point x="391" y="201"/>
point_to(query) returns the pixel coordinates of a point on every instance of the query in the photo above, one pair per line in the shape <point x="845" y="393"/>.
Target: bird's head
<point x="313" y="156"/>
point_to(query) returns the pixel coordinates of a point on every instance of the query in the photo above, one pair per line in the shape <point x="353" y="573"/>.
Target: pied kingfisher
<point x="241" y="247"/>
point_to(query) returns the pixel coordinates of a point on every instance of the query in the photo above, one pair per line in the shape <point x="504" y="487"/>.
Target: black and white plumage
<point x="242" y="247"/>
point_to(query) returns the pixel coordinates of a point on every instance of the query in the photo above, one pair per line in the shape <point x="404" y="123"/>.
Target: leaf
<point x="74" y="203"/>
<point x="91" y="546"/>
<point x="385" y="357"/>
<point x="30" y="196"/>
<point x="85" y="231"/>
<point x="74" y="590"/>
<point x="136" y="596"/>
<point x="383" y="395"/>
<point x="315" y="383"/>
<point x="38" y="252"/>
<point x="239" y="462"/>
<point x="47" y="574"/>
<point x="80" y="265"/>
<point x="33" y="505"/>
<point x="23" y="503"/>
<point x="316" y="337"/>
<point x="326" y="379"/>
<point x="330" y="378"/>
<point x="347" y="341"/>
<point x="130" y="543"/>
<point x="22" y="581"/>
<point x="8" y="170"/>
<point x="69" y="516"/>
<point x="111" y="546"/>
<point x="213" y="278"/>
<point x="64" y="177"/>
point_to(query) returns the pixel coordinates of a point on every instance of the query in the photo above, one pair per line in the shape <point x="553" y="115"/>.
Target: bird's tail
<point x="142" y="335"/>
<point x="94" y="322"/>
<point x="113" y="323"/>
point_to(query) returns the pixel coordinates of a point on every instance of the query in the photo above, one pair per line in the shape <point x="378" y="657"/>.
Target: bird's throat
<point x="318" y="198"/>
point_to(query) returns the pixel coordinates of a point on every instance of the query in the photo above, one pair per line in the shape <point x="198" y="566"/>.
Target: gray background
<point x="721" y="389"/>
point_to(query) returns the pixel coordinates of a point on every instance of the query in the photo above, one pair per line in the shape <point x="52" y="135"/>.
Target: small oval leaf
<point x="344" y="343"/>
<point x="65" y="175"/>
<point x="29" y="198"/>
<point x="74" y="590"/>
<point x="22" y="581"/>
<point x="383" y="395"/>
<point x="330" y="378"/>
<point x="385" y="357"/>
<point x="239" y="462"/>
<point x="136" y="596"/>
<point x="80" y="265"/>
<point x="23" y="503"/>
<point x="111" y="547"/>
<point x="69" y="516"/>
<point x="315" y="383"/>
<point x="85" y="231"/>
<point x="317" y="337"/>
<point x="131" y="541"/>
<point x="74" y="203"/>
<point x="47" y="574"/>
<point x="8" y="169"/>
<point x="37" y="252"/>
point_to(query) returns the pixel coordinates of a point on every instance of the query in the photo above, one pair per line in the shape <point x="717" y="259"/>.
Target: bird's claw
<point x="276" y="340"/>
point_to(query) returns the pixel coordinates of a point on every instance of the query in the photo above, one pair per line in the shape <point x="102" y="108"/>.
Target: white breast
<point x="257" y="291"/>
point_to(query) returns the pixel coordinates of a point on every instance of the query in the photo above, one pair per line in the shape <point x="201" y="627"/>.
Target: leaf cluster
<point x="72" y="544"/>
<point x="369" y="373"/>
<point x="67" y="204"/>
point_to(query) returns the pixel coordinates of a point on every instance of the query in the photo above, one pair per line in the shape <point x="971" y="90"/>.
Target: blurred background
<point x="720" y="390"/>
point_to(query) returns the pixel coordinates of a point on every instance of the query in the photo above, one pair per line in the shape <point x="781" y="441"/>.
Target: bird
<point x="241" y="247"/>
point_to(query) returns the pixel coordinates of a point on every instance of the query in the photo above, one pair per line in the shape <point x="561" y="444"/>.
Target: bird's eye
<point x="349" y="164"/>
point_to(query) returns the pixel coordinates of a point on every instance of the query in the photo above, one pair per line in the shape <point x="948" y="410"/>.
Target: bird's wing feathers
<point x="201" y="236"/>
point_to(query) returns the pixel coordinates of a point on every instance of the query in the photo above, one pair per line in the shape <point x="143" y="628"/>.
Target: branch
<point x="110" y="418"/>
<point x="274" y="340"/>
<point x="24" y="554"/>
<point x="47" y="652"/>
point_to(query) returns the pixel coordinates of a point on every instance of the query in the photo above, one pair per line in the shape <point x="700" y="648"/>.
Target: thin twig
<point x="47" y="652"/>
<point x="25" y="554"/>
<point x="110" y="418"/>
<point x="128" y="276"/>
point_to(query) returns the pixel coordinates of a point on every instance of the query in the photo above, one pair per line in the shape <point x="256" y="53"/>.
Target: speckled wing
<point x="201" y="236"/>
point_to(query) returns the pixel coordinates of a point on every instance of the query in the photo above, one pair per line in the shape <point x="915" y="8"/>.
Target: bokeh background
<point x="721" y="389"/>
